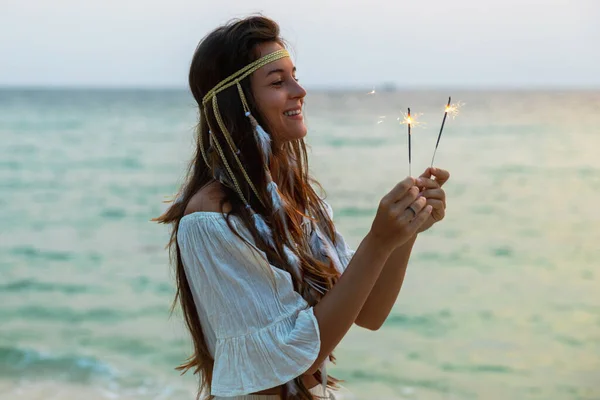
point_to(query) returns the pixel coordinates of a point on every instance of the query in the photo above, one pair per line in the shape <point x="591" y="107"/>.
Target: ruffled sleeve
<point x="266" y="334"/>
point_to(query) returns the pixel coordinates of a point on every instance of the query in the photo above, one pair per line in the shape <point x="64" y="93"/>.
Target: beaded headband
<point x="211" y="97"/>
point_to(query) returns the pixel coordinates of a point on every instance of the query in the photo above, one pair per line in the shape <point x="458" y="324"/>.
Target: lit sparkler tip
<point x="409" y="119"/>
<point x="453" y="109"/>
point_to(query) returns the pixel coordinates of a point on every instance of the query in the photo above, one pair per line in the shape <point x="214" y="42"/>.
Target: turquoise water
<point x="501" y="299"/>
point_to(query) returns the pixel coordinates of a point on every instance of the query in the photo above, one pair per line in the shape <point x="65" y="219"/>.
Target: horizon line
<point x="383" y="88"/>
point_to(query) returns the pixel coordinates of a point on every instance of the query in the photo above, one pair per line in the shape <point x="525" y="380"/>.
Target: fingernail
<point x="420" y="181"/>
<point x="429" y="208"/>
<point x="433" y="170"/>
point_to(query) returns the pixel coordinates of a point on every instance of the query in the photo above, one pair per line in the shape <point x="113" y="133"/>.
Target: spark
<point x="410" y="119"/>
<point x="453" y="109"/>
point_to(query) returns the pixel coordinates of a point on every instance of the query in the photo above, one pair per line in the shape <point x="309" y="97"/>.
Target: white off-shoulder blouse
<point x="259" y="331"/>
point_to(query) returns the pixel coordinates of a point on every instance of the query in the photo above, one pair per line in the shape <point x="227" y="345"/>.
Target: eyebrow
<point x="280" y="70"/>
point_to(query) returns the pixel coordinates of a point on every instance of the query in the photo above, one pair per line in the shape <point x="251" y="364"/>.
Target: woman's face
<point x="278" y="96"/>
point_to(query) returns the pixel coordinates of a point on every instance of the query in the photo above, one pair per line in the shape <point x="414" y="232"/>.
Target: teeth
<point x="290" y="113"/>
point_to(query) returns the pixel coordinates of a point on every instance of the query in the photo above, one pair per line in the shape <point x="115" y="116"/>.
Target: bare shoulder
<point x="207" y="199"/>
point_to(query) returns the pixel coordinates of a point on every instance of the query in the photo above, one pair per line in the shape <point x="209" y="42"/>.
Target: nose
<point x="298" y="92"/>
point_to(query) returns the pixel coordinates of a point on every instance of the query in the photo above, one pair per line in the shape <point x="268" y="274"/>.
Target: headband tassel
<point x="291" y="388"/>
<point x="262" y="138"/>
<point x="277" y="204"/>
<point x="263" y="229"/>
<point x="317" y="287"/>
<point x="321" y="246"/>
<point x="293" y="262"/>
<point x="324" y="375"/>
<point x="266" y="235"/>
<point x="276" y="200"/>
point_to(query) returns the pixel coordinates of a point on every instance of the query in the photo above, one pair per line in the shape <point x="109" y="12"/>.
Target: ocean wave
<point x="32" y="374"/>
<point x="431" y="325"/>
<point x="31" y="285"/>
<point x="56" y="390"/>
<point x="29" y="363"/>
<point x="65" y="314"/>
<point x="33" y="253"/>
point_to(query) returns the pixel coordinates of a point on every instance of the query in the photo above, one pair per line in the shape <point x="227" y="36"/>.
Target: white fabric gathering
<point x="259" y="331"/>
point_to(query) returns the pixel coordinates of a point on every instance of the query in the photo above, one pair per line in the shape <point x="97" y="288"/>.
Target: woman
<point x="268" y="287"/>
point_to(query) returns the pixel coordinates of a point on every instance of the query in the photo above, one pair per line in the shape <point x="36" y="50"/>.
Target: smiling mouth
<point x="291" y="113"/>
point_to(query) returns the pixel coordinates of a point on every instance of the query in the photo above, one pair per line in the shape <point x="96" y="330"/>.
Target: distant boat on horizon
<point x="388" y="87"/>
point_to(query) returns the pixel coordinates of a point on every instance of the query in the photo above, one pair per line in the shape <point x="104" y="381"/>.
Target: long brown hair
<point x="221" y="53"/>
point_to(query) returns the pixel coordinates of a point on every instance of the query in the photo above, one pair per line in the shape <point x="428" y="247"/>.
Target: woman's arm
<point x="337" y="311"/>
<point x="385" y="292"/>
<point x="339" y="308"/>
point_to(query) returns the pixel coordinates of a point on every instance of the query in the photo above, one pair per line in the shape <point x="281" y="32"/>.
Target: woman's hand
<point x="400" y="215"/>
<point x="431" y="190"/>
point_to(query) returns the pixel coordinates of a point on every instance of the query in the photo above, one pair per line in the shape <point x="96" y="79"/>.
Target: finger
<point x="436" y="204"/>
<point x="441" y="175"/>
<point x="439" y="209"/>
<point x="406" y="200"/>
<point x="427" y="173"/>
<point x="400" y="190"/>
<point x="426" y="183"/>
<point x="439" y="194"/>
<point x="413" y="209"/>
<point x="420" y="218"/>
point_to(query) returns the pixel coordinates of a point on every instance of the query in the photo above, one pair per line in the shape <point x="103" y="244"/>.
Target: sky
<point x="335" y="44"/>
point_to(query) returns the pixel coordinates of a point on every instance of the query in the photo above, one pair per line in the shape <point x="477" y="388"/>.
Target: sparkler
<point x="452" y="110"/>
<point x="410" y="121"/>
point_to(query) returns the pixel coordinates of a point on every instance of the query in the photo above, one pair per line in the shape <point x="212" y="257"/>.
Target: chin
<point x="302" y="132"/>
<point x="295" y="134"/>
<point x="299" y="135"/>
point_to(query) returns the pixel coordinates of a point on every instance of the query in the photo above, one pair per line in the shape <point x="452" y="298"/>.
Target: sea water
<point x="501" y="299"/>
